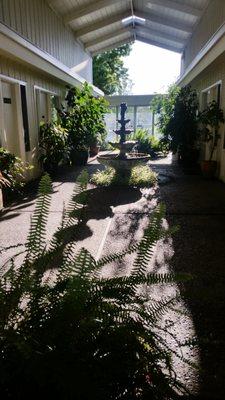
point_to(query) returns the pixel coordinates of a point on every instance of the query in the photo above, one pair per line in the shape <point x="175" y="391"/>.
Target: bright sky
<point x="151" y="68"/>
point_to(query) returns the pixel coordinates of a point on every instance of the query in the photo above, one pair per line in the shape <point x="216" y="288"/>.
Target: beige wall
<point x="212" y="19"/>
<point x="32" y="78"/>
<point x="37" y="22"/>
<point x="210" y="76"/>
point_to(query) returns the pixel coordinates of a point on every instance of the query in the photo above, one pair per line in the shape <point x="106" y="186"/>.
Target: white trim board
<point x="18" y="47"/>
<point x="212" y="49"/>
<point x="212" y="86"/>
<point x="13" y="80"/>
<point x="45" y="90"/>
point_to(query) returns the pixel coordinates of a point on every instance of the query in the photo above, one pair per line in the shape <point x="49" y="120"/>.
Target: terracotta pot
<point x="94" y="150"/>
<point x="209" y="168"/>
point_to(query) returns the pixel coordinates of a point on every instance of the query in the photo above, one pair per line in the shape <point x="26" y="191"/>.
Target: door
<point x="10" y="131"/>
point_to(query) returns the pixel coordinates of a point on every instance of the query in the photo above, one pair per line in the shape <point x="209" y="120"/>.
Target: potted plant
<point x="177" y="121"/>
<point x="95" y="145"/>
<point x="3" y="183"/>
<point x="12" y="173"/>
<point x="84" y="120"/>
<point x="54" y="146"/>
<point x="210" y="119"/>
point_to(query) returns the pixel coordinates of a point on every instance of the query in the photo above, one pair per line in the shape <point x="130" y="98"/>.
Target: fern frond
<point x="148" y="279"/>
<point x="116" y="257"/>
<point x="83" y="264"/>
<point x="152" y="234"/>
<point x="72" y="214"/>
<point x="37" y="235"/>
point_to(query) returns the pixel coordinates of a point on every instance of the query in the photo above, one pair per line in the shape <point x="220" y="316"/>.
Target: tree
<point x="109" y="73"/>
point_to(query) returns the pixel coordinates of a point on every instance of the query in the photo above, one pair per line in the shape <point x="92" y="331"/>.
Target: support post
<point x="135" y="118"/>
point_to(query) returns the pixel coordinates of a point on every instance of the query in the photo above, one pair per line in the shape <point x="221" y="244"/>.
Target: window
<point x="210" y="94"/>
<point x="25" y="117"/>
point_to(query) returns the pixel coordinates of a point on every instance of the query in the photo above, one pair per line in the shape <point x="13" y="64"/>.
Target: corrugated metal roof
<point x="103" y="24"/>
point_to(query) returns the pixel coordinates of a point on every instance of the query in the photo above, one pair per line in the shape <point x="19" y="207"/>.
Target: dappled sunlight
<point x="176" y="325"/>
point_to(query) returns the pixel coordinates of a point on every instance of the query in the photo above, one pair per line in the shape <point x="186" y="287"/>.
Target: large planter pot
<point x="79" y="157"/>
<point x="94" y="150"/>
<point x="209" y="168"/>
<point x="51" y="168"/>
<point x="188" y="160"/>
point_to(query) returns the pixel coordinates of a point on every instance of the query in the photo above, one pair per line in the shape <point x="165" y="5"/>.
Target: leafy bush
<point x="13" y="170"/>
<point x="84" y="117"/>
<point x="54" y="145"/>
<point x="211" y="118"/>
<point x="66" y="332"/>
<point x="147" y="143"/>
<point x="177" y="117"/>
<point x="141" y="176"/>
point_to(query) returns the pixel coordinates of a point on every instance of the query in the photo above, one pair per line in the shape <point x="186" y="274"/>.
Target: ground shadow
<point x="198" y="208"/>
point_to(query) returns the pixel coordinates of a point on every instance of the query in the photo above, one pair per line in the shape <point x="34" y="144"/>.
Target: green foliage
<point x="109" y="73"/>
<point x="54" y="145"/>
<point x="12" y="170"/>
<point x="141" y="176"/>
<point x="84" y="117"/>
<point x="66" y="332"/>
<point x="177" y="117"/>
<point x="163" y="106"/>
<point x="147" y="143"/>
<point x="211" y="118"/>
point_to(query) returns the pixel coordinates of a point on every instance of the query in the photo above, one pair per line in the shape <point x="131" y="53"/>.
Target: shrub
<point x="67" y="332"/>
<point x="84" y="117"/>
<point x="147" y="143"/>
<point x="54" y="145"/>
<point x="13" y="170"/>
<point x="177" y="117"/>
<point x="141" y="176"/>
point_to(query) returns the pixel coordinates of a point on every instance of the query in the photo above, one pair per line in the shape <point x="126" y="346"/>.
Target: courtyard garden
<point x="108" y="288"/>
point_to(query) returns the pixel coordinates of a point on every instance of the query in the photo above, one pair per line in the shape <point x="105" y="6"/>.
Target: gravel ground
<point x="117" y="217"/>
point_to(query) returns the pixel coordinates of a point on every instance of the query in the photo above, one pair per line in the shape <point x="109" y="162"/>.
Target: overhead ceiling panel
<point x="100" y="22"/>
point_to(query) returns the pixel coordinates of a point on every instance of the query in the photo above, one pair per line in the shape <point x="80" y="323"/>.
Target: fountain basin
<point x="123" y="164"/>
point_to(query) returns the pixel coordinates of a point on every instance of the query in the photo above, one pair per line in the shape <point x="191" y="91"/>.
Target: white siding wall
<point x="212" y="19"/>
<point x="12" y="69"/>
<point x="214" y="73"/>
<point x="37" y="22"/>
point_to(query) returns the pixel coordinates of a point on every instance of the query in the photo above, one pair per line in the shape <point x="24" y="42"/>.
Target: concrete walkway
<point x="117" y="217"/>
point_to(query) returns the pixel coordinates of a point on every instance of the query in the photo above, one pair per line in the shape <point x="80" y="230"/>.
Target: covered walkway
<point x="116" y="217"/>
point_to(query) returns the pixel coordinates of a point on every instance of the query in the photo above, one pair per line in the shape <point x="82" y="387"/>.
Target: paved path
<point x="117" y="217"/>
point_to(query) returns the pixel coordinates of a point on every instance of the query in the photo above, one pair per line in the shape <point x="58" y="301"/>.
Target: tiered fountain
<point x="126" y="159"/>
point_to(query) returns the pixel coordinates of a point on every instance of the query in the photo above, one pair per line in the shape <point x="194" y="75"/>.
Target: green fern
<point x="67" y="332"/>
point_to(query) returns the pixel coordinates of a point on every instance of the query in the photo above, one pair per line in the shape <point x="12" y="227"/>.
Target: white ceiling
<point x="104" y="24"/>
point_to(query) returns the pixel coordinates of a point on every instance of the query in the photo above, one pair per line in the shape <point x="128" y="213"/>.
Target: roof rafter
<point x="171" y="22"/>
<point x="174" y="5"/>
<point x="113" y="46"/>
<point x="88" y="9"/>
<point x="158" y="44"/>
<point x="159" y="34"/>
<point x="104" y="38"/>
<point x="102" y="24"/>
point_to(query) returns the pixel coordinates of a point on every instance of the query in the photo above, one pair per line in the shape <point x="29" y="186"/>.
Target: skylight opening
<point x="135" y="19"/>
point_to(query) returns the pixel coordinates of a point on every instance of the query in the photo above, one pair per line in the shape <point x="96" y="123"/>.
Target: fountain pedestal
<point x="126" y="159"/>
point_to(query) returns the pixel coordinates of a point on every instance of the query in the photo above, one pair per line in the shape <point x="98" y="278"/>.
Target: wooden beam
<point x="174" y="5"/>
<point x="104" y="38"/>
<point x="112" y="46"/>
<point x="158" y="44"/>
<point x="159" y="34"/>
<point x="88" y="9"/>
<point x="102" y="24"/>
<point x="171" y="22"/>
